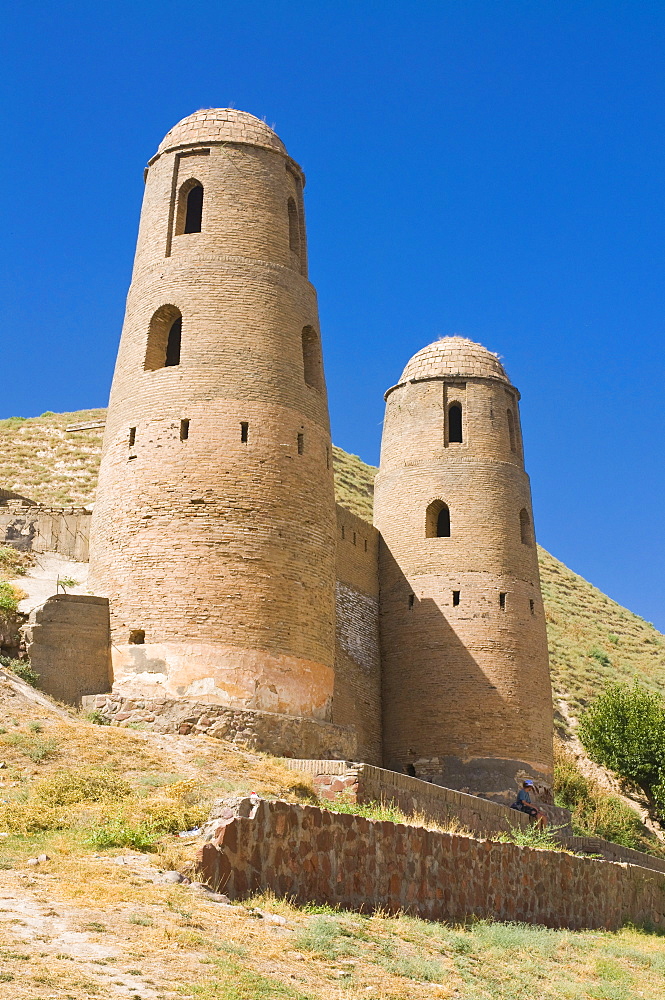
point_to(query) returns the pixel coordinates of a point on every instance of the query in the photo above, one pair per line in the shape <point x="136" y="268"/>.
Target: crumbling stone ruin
<point x="241" y="598"/>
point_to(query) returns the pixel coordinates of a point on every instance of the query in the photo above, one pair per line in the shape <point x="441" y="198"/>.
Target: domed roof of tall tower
<point x="221" y="125"/>
<point x="454" y="356"/>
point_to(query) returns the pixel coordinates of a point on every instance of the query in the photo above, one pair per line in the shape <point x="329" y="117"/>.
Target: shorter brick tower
<point x="466" y="691"/>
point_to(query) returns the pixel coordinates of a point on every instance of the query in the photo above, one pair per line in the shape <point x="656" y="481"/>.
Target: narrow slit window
<point x="132" y="436"/>
<point x="455" y="424"/>
<point x="502" y="601"/>
<point x="301" y="444"/>
<point x="137" y="637"/>
<point x="294" y="227"/>
<point x="184" y="430"/>
<point x="532" y="606"/>
<point x="412" y="600"/>
<point x="327" y="458"/>
<point x="244" y="431"/>
<point x="456" y="595"/>
<point x="526" y="535"/>
<point x="311" y="358"/>
<point x="343" y="532"/>
<point x="354" y="538"/>
<point x="511" y="430"/>
<point x="365" y="545"/>
<point x="437" y="520"/>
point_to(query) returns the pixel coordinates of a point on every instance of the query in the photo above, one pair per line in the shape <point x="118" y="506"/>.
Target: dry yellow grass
<point x="41" y="460"/>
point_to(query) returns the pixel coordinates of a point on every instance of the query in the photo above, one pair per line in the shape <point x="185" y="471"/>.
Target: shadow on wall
<point x="456" y="719"/>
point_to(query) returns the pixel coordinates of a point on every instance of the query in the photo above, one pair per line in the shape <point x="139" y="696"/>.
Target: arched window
<point x="526" y="534"/>
<point x="164" y="336"/>
<point x="455" y="423"/>
<point x="190" y="207"/>
<point x="437" y="520"/>
<point x="511" y="430"/>
<point x="311" y="358"/>
<point x="294" y="227"/>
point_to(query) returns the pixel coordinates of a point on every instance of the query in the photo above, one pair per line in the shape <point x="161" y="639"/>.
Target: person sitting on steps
<point x="523" y="804"/>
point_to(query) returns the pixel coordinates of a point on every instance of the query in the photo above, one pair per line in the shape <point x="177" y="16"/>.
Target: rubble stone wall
<point x="283" y="735"/>
<point x="316" y="856"/>
<point x="357" y="693"/>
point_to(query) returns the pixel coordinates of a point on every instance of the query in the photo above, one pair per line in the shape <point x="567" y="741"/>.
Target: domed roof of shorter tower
<point x="454" y="356"/>
<point x="221" y="125"/>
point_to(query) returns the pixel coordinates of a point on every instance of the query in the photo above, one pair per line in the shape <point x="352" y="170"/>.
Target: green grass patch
<point x="595" y="812"/>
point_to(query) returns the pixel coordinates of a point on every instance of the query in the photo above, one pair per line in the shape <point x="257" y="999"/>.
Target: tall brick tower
<point x="214" y="529"/>
<point x="466" y="689"/>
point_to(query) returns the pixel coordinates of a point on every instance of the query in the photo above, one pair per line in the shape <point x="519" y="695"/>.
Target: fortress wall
<point x="354" y="863"/>
<point x="357" y="694"/>
<point x="43" y="529"/>
<point x="69" y="645"/>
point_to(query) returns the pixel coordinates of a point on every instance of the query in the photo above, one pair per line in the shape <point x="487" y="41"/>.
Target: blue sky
<point x="475" y="167"/>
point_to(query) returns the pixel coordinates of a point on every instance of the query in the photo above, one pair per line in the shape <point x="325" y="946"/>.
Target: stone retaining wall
<point x="614" y="852"/>
<point x="343" y="860"/>
<point x="363" y="783"/>
<point x="281" y="735"/>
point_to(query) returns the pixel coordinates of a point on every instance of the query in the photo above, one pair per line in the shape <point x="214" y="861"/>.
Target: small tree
<point x="624" y="730"/>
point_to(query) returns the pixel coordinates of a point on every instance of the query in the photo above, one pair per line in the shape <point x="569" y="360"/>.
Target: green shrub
<point x="120" y="833"/>
<point x="97" y="718"/>
<point x="21" y="668"/>
<point x="596" y="812"/>
<point x="600" y="656"/>
<point x="624" y="730"/>
<point x="9" y="600"/>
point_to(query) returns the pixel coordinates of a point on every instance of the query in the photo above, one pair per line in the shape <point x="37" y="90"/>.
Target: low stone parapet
<point x="281" y="735"/>
<point x="364" y="783"/>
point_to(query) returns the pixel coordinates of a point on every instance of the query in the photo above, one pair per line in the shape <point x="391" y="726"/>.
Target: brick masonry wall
<point x="466" y="689"/>
<point x="68" y="642"/>
<point x="312" y="855"/>
<point x="44" y="529"/>
<point x="357" y="696"/>
<point x="221" y="551"/>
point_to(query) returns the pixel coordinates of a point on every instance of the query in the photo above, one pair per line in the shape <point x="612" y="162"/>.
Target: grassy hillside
<point x="98" y="918"/>
<point x="41" y="460"/>
<point x="592" y="639"/>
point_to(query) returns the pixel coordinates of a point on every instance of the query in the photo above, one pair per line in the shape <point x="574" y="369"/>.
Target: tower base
<point x="269" y="732"/>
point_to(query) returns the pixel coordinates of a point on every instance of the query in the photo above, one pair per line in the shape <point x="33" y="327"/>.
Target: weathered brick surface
<point x="68" y="642"/>
<point x="313" y="855"/>
<point x="221" y="551"/>
<point x="466" y="689"/>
